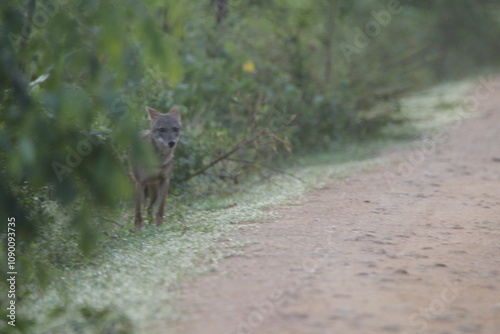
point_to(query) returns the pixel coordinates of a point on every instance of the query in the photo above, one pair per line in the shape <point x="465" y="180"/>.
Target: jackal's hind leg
<point x="138" y="199"/>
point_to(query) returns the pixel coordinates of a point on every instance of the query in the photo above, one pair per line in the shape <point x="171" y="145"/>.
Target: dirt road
<point x="413" y="247"/>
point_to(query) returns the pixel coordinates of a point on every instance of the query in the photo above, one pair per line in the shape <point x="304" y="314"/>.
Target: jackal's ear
<point x="174" y="111"/>
<point x="152" y="113"/>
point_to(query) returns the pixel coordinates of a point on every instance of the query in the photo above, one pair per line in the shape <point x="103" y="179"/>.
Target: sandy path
<point x="407" y="248"/>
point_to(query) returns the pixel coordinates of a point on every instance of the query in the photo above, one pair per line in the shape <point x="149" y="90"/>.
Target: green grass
<point x="132" y="285"/>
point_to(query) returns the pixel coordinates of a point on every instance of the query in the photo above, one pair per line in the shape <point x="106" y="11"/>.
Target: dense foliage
<point x="254" y="80"/>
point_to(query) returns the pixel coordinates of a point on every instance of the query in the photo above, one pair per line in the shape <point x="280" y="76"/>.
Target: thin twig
<point x="31" y="7"/>
<point x="109" y="220"/>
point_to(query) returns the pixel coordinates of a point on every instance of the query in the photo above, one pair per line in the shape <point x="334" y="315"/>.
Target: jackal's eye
<point x="175" y="129"/>
<point x="161" y="129"/>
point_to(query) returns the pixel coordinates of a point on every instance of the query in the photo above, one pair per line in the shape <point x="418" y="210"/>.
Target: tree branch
<point x="226" y="155"/>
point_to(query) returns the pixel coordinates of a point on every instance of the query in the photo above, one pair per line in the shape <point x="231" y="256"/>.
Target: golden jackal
<point x="153" y="183"/>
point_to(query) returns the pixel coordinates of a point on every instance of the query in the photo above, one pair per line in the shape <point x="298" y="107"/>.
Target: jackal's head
<point x="165" y="128"/>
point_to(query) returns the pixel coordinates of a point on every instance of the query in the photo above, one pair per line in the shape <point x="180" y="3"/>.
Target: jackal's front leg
<point x="162" y="197"/>
<point x="152" y="191"/>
